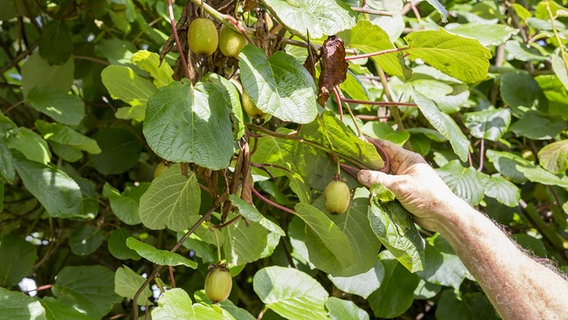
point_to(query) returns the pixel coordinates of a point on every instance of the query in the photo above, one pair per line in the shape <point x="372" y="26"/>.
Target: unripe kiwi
<point x="202" y="36"/>
<point x="231" y="42"/>
<point x="218" y="283"/>
<point x="258" y="116"/>
<point x="336" y="197"/>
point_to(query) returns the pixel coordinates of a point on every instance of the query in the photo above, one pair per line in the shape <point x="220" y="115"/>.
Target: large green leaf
<point x="252" y="214"/>
<point x="37" y="72"/>
<point x="469" y="306"/>
<point x="554" y="157"/>
<point x="328" y="131"/>
<point x="313" y="18"/>
<point x="507" y="163"/>
<point x="290" y="293"/>
<point x="522" y="93"/>
<point x="396" y="292"/>
<point x="127" y="283"/>
<point x="55" y="132"/>
<point x="370" y="38"/>
<point x="116" y="244"/>
<point x="486" y="34"/>
<point x="30" y="144"/>
<point x="126" y="205"/>
<point x="488" y="124"/>
<point x="244" y="242"/>
<point x="462" y="58"/>
<point x="170" y="201"/>
<point x="18" y="258"/>
<point x="157" y="256"/>
<point x="57" y="104"/>
<point x="445" y="125"/>
<point x="18" y="306"/>
<point x="85" y="240"/>
<point x="328" y="246"/>
<point x="465" y="182"/>
<point x="278" y="85"/>
<point x="362" y="284"/>
<point x="183" y="124"/>
<point x="89" y="289"/>
<point x="442" y="265"/>
<point x="502" y="190"/>
<point x="536" y="126"/>
<point x="174" y="304"/>
<point x="56" y="310"/>
<point x="120" y="150"/>
<point x="57" y="44"/>
<point x="340" y="309"/>
<point x="56" y="191"/>
<point x="396" y="231"/>
<point x="150" y="62"/>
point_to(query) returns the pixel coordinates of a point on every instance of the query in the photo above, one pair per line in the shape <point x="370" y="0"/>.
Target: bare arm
<point x="518" y="286"/>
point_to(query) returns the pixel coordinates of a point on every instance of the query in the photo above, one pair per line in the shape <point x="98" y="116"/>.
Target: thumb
<point x="370" y="177"/>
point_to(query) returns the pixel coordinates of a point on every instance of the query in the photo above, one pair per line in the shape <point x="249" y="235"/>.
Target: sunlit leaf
<point x="157" y="256"/>
<point x="554" y="157"/>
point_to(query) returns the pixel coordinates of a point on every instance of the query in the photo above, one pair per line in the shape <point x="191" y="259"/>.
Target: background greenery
<point x="89" y="110"/>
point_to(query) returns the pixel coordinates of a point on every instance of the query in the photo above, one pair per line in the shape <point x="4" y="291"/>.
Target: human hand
<point x="415" y="184"/>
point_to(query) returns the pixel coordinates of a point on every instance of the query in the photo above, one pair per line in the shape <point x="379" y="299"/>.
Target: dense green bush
<point x="120" y="158"/>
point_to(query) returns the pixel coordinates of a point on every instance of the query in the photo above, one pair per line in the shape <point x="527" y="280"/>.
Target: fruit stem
<point x="174" y="31"/>
<point x="272" y="203"/>
<point x="218" y="245"/>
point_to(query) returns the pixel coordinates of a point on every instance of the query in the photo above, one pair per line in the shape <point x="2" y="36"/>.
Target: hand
<point x="415" y="184"/>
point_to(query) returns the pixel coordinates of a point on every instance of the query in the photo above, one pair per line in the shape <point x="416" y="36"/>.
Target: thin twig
<point x="373" y="54"/>
<point x="380" y="103"/>
<point x="272" y="203"/>
<point x="371" y="11"/>
<point x="178" y="44"/>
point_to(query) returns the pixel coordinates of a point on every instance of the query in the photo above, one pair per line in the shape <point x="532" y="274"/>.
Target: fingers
<point x="370" y="177"/>
<point x="400" y="159"/>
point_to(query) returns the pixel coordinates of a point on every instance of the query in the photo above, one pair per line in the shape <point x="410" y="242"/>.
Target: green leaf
<point x="150" y="62"/>
<point x="127" y="283"/>
<point x="120" y="150"/>
<point x="89" y="289"/>
<point x="445" y="125"/>
<point x="535" y="126"/>
<point x="396" y="231"/>
<point x="469" y="306"/>
<point x="440" y="8"/>
<point x="55" y="132"/>
<point x="328" y="247"/>
<point x="125" y="84"/>
<point x="467" y="183"/>
<point x="538" y="174"/>
<point x="442" y="266"/>
<point x="507" y="163"/>
<point x="488" y="124"/>
<point x="554" y="157"/>
<point x="384" y="131"/>
<point x="56" y="310"/>
<point x="369" y="38"/>
<point x="57" y="104"/>
<point x="252" y="214"/>
<point x="85" y="240"/>
<point x="560" y="68"/>
<point x="174" y="304"/>
<point x="18" y="306"/>
<point x="190" y="125"/>
<point x="56" y="45"/>
<point x="328" y="131"/>
<point x="126" y="205"/>
<point x="170" y="201"/>
<point x="462" y="58"/>
<point x="37" y="72"/>
<point x="313" y="18"/>
<point x="522" y="93"/>
<point x="56" y="191"/>
<point x="522" y="52"/>
<point x="486" y="34"/>
<point x="290" y="293"/>
<point x="396" y="293"/>
<point x="7" y="168"/>
<point x="18" y="258"/>
<point x="502" y="190"/>
<point x="30" y="144"/>
<point x="362" y="284"/>
<point x="157" y="256"/>
<point x="117" y="245"/>
<point x="340" y="309"/>
<point x="278" y="85"/>
<point x="244" y="242"/>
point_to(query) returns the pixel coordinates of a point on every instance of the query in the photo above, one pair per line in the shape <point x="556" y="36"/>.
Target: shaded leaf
<point x="244" y="242"/>
<point x="174" y="304"/>
<point x="466" y="183"/>
<point x="85" y="240"/>
<point x="127" y="283"/>
<point x="535" y="126"/>
<point x="502" y="190"/>
<point x="252" y="214"/>
<point x="55" y="132"/>
<point x="89" y="289"/>
<point x="16" y="305"/>
<point x="470" y="306"/>
<point x="522" y="93"/>
<point x="126" y="205"/>
<point x="18" y="258"/>
<point x="30" y="144"/>
<point x="37" y="72"/>
<point x="340" y="309"/>
<point x="120" y="150"/>
<point x="56" y="310"/>
<point x="56" y="45"/>
<point x="57" y="104"/>
<point x="488" y="124"/>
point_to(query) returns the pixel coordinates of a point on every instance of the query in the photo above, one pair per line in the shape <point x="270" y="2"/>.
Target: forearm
<point x="518" y="286"/>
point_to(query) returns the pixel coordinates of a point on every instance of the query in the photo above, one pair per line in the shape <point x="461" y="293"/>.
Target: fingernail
<point x="364" y="176"/>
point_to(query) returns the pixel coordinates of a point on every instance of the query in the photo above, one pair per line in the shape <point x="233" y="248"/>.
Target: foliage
<point x="95" y="95"/>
